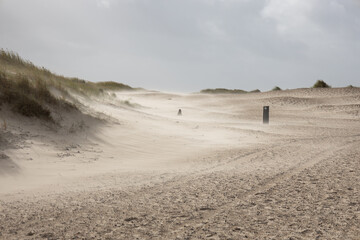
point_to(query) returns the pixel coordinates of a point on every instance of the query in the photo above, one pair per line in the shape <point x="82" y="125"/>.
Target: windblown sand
<point x="216" y="172"/>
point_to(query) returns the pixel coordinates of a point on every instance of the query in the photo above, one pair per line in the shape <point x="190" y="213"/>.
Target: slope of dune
<point x="37" y="102"/>
<point x="215" y="172"/>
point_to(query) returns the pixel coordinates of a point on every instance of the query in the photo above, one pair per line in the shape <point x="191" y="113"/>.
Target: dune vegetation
<point x="321" y="84"/>
<point x="113" y="86"/>
<point x="276" y="88"/>
<point x="25" y="98"/>
<point x="29" y="89"/>
<point x="227" y="91"/>
<point x="255" y="91"/>
<point x="223" y="91"/>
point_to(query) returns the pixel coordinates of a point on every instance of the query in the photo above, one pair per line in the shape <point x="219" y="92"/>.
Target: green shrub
<point x="276" y="88"/>
<point x="321" y="84"/>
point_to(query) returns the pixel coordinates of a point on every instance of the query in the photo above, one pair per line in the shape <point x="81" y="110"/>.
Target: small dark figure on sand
<point x="179" y="112"/>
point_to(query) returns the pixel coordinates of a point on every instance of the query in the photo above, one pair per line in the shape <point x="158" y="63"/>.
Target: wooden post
<point x="266" y="110"/>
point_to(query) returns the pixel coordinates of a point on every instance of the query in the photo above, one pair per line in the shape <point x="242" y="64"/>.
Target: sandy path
<point x="295" y="179"/>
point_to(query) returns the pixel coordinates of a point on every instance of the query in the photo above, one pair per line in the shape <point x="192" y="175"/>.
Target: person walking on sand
<point x="179" y="112"/>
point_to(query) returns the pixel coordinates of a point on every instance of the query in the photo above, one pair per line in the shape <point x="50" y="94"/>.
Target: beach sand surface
<point x="131" y="168"/>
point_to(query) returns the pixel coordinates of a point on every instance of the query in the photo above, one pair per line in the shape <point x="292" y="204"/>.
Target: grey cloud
<point x="190" y="44"/>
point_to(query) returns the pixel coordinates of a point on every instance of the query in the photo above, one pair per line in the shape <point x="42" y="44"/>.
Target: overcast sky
<point x="189" y="45"/>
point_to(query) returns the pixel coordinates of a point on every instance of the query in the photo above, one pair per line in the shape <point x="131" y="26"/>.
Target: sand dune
<point x="140" y="171"/>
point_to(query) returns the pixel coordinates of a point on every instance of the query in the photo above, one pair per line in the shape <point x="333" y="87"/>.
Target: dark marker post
<point x="266" y="114"/>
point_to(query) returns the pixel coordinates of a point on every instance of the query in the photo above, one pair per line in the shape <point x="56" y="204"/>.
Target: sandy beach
<point x="131" y="168"/>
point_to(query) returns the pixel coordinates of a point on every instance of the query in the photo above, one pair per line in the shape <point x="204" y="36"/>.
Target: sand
<point x="140" y="171"/>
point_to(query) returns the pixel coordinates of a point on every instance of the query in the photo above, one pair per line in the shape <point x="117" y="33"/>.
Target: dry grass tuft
<point x="24" y="98"/>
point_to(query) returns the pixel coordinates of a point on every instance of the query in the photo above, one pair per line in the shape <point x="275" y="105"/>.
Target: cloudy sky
<point x="189" y="45"/>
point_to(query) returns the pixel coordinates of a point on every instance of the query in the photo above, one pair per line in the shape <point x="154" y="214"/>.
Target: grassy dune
<point x="28" y="88"/>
